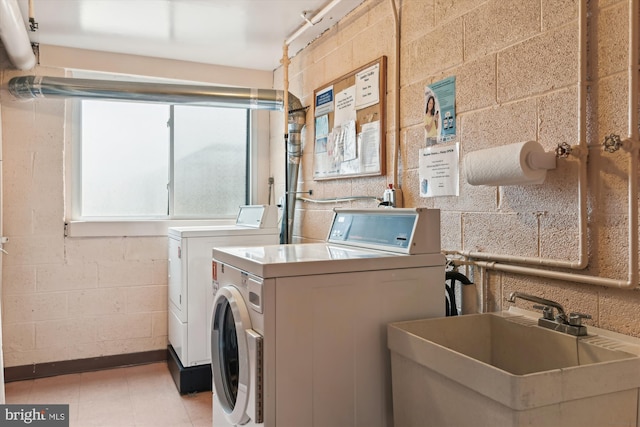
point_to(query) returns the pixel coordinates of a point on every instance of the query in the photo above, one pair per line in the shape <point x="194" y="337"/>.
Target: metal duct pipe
<point x="294" y="156"/>
<point x="30" y="87"/>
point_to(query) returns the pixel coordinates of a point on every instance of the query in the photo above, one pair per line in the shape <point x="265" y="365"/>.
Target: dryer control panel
<point x="258" y="216"/>
<point x="407" y="231"/>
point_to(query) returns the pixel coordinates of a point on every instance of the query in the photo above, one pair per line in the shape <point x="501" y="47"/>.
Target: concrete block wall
<point x="67" y="298"/>
<point x="516" y="65"/>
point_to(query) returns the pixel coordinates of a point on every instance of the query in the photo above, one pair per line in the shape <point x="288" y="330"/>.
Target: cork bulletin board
<point x="349" y="132"/>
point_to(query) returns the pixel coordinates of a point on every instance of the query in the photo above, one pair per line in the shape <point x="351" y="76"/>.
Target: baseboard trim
<point x="50" y="369"/>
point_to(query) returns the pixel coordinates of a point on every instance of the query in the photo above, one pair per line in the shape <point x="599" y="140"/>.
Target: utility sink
<point x="502" y="369"/>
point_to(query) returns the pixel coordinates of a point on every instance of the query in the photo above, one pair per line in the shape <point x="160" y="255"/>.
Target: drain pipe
<point x="30" y="87"/>
<point x="296" y="121"/>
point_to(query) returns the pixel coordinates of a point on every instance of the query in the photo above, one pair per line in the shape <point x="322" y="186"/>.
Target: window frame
<point x="77" y="226"/>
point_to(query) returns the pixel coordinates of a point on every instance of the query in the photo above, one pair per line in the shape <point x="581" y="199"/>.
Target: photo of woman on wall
<point x="431" y="120"/>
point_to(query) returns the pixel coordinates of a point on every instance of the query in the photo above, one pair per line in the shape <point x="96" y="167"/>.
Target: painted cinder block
<point x="542" y="63"/>
<point x="142" y="299"/>
<point x="97" y="302"/>
<point x="57" y="277"/>
<point x="63" y="333"/>
<point x="35" y="307"/>
<point x="125" y="273"/>
<point x="124" y="326"/>
<point x="496" y="24"/>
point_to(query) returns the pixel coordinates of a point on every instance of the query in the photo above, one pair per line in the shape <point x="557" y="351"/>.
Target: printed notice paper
<point x="345" y="106"/>
<point x="370" y="147"/>
<point x="368" y="87"/>
<point x="439" y="171"/>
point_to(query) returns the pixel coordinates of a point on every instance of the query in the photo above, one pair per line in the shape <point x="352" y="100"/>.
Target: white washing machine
<point x="298" y="332"/>
<point x="190" y="298"/>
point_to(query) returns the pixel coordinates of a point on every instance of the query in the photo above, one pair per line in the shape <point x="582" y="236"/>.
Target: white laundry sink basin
<point x="501" y="369"/>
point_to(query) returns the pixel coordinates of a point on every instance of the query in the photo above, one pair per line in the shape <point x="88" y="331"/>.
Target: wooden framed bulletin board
<point x="349" y="114"/>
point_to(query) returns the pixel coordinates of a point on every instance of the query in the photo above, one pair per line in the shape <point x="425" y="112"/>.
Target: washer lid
<point x="317" y="258"/>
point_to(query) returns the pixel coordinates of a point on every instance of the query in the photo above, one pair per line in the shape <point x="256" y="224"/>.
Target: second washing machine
<point x="298" y="335"/>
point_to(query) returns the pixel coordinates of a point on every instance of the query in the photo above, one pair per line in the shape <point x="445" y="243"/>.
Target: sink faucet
<point x="571" y="325"/>
<point x="562" y="316"/>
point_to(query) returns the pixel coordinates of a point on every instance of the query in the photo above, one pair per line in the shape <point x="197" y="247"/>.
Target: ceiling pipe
<point x="311" y="22"/>
<point x="34" y="87"/>
<point x="13" y="34"/>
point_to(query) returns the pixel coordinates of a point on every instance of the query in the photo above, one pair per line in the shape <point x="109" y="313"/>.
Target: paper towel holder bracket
<point x="541" y="160"/>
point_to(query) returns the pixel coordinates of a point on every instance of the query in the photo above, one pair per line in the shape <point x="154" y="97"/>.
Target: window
<point x="155" y="161"/>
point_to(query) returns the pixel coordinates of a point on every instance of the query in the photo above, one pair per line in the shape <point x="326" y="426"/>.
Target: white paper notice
<point x="438" y="167"/>
<point x="345" y="106"/>
<point x="368" y="87"/>
<point x="370" y="147"/>
<point x="350" y="143"/>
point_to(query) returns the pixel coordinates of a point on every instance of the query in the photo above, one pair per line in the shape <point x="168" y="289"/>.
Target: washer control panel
<point x="408" y="231"/>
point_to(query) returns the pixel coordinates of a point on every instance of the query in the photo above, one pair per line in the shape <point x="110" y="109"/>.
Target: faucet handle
<point x="575" y="319"/>
<point x="547" y="312"/>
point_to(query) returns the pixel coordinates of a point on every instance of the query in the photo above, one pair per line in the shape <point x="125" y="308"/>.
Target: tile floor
<point x="136" y="396"/>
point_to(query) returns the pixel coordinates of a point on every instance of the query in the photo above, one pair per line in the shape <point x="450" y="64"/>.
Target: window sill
<point x="133" y="228"/>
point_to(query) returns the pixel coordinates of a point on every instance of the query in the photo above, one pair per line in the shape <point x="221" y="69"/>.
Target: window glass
<point x="125" y="159"/>
<point x="210" y="160"/>
<point x="137" y="161"/>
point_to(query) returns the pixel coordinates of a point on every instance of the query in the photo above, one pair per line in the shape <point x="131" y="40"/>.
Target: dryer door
<point x="235" y="355"/>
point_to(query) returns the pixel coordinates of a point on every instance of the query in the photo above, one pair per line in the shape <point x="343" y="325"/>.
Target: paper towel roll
<point x="505" y="165"/>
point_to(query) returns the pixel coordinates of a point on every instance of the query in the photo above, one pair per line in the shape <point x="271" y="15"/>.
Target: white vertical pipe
<point x="633" y="146"/>
<point x="396" y="89"/>
<point x="633" y="137"/>
<point x="288" y="186"/>
<point x="581" y="152"/>
<point x="14" y="36"/>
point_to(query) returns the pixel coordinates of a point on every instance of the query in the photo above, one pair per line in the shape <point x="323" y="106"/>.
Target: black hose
<point x="451" y="277"/>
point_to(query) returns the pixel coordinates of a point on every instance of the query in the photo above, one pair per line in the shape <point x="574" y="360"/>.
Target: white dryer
<point x="298" y="334"/>
<point x="190" y="298"/>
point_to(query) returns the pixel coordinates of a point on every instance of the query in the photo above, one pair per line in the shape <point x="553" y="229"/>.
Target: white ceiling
<point x="237" y="33"/>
